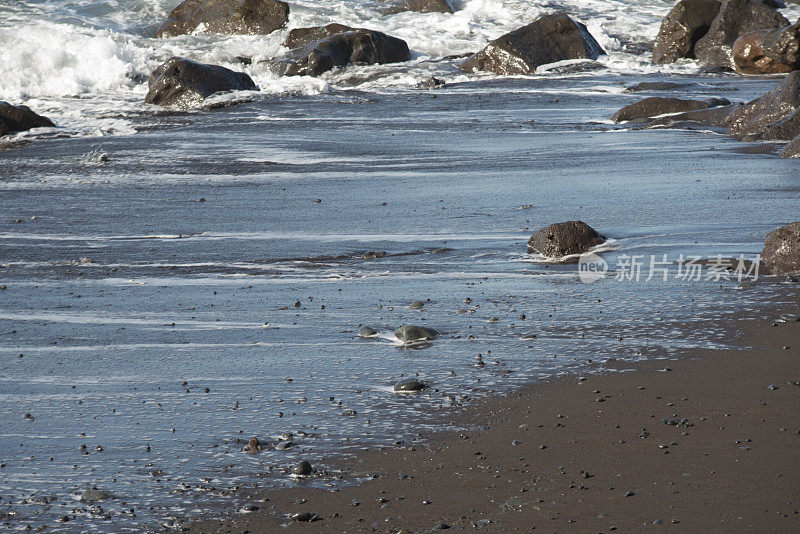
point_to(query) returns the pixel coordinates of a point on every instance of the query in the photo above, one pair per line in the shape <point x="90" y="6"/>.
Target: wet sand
<point x="708" y="442"/>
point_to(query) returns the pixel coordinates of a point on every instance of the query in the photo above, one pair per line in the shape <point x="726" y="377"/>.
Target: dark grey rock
<point x="416" y="305"/>
<point x="300" y="37"/>
<point x="182" y="82"/>
<point x="431" y="83"/>
<point x="304" y="517"/>
<point x="680" y="30"/>
<point x="548" y="39"/>
<point x="791" y="149"/>
<point x="781" y="252"/>
<point x="564" y="239"/>
<point x="20" y="118"/>
<point x="257" y="17"/>
<point x="656" y="105"/>
<point x="95" y="495"/>
<point x="655" y="86"/>
<point x="367" y="331"/>
<point x="753" y="118"/>
<point x="716" y="116"/>
<point x="420" y="6"/>
<point x="355" y="47"/>
<point x="409" y="385"/>
<point x="415" y="333"/>
<point x="302" y="469"/>
<point x="735" y="17"/>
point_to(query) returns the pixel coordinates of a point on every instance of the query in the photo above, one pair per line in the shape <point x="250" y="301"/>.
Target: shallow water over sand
<point x="207" y="282"/>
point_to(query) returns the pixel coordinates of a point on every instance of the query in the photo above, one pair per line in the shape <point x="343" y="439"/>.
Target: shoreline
<point x="585" y="453"/>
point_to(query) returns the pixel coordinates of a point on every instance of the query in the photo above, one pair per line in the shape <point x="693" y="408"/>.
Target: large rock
<point x="257" y="17"/>
<point x="182" y="82"/>
<point x="359" y="47"/>
<point x="792" y="149"/>
<point x="20" y="118"/>
<point x="781" y="252"/>
<point x="783" y="45"/>
<point x="749" y="58"/>
<point x="564" y="239"/>
<point x="548" y="39"/>
<point x="718" y="117"/>
<point x="656" y="105"/>
<point x="420" y="6"/>
<point x="754" y="118"/>
<point x="735" y="18"/>
<point x="782" y="130"/>
<point x="680" y="30"/>
<point x="302" y="36"/>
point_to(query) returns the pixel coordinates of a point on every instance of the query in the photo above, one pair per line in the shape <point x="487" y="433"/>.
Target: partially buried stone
<point x="283" y="445"/>
<point x="302" y="469"/>
<point x="409" y="385"/>
<point x="790" y="317"/>
<point x="416" y="305"/>
<point x="564" y="239"/>
<point x="366" y="331"/>
<point x="94" y="495"/>
<point x="253" y="446"/>
<point x="304" y="517"/>
<point x="415" y="333"/>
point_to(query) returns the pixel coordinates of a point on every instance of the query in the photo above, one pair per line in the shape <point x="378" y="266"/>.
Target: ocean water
<point x="204" y="282"/>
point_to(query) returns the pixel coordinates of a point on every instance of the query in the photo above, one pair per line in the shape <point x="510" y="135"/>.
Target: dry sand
<point x="712" y="445"/>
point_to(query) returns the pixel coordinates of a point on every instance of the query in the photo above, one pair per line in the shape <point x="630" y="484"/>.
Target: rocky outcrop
<point x="656" y="105"/>
<point x="257" y="17"/>
<point x="783" y="45"/>
<point x="564" y="239"/>
<point x="20" y="118"/>
<point x="754" y="118"/>
<point x="781" y="252"/>
<point x="749" y="57"/>
<point x="300" y="37"/>
<point x="357" y="47"/>
<point x="420" y="6"/>
<point x="182" y="82"/>
<point x="548" y="39"/>
<point x="680" y="30"/>
<point x="735" y="18"/>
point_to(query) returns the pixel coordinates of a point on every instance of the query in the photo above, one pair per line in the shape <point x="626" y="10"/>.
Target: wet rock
<point x="95" y="495"/>
<point x="409" y="385"/>
<point x="431" y="83"/>
<point x="784" y="129"/>
<point x="253" y="446"/>
<point x="256" y="17"/>
<point x="415" y="333"/>
<point x="749" y="58"/>
<point x="792" y="149"/>
<point x="302" y="469"/>
<point x="357" y="47"/>
<point x="783" y="45"/>
<point x="656" y="105"/>
<point x="182" y="82"/>
<point x="655" y="86"/>
<point x="283" y="445"/>
<point x="735" y="17"/>
<point x="548" y="39"/>
<point x="302" y="36"/>
<point x="680" y="30"/>
<point x="717" y="116"/>
<point x="20" y="118"/>
<point x="781" y="252"/>
<point x="367" y="331"/>
<point x="304" y="517"/>
<point x="416" y="305"/>
<point x="755" y="117"/>
<point x="420" y="6"/>
<point x="564" y="239"/>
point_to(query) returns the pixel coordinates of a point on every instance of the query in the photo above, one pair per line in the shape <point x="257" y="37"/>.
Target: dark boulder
<point x="792" y="149"/>
<point x="718" y="117"/>
<point x="656" y="105"/>
<point x="182" y="82"/>
<point x="409" y="385"/>
<point x="20" y="118"/>
<point x="783" y="45"/>
<point x="680" y="30"/>
<point x="302" y="36"/>
<point x="415" y="333"/>
<point x="256" y="17"/>
<point x="781" y="252"/>
<point x="735" y="18"/>
<point x="753" y="118"/>
<point x="358" y="47"/>
<point x="548" y="39"/>
<point x="749" y="57"/>
<point x="782" y="130"/>
<point x="420" y="6"/>
<point x="564" y="239"/>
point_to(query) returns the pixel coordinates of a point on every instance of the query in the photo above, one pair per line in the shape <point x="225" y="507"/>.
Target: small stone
<point x="366" y="331"/>
<point x="600" y="399"/>
<point x="283" y="445"/>
<point x="416" y="305"/>
<point x="409" y="385"/>
<point x="658" y="522"/>
<point x="304" y="517"/>
<point x="531" y="336"/>
<point x="790" y="317"/>
<point x="630" y="494"/>
<point x="773" y="387"/>
<point x="253" y="446"/>
<point x="94" y="495"/>
<point x="302" y="469"/>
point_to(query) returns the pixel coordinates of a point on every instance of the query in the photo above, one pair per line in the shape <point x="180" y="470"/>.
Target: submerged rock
<point x="735" y="18"/>
<point x="416" y="305"/>
<point x="182" y="82"/>
<point x="253" y="446"/>
<point x="409" y="385"/>
<point x="256" y="17"/>
<point x="655" y="86"/>
<point x="656" y="105"/>
<point x="415" y="333"/>
<point x="564" y="239"/>
<point x="367" y="331"/>
<point x="757" y="116"/>
<point x="548" y="39"/>
<point x="781" y="252"/>
<point x="749" y="57"/>
<point x="357" y="47"/>
<point x="302" y="469"/>
<point x="20" y="118"/>
<point x="95" y="495"/>
<point x="680" y="30"/>
<point x="420" y="6"/>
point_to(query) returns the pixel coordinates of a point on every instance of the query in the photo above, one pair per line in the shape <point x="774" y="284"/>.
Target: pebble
<point x="302" y="469"/>
<point x="790" y="317"/>
<point x="283" y="445"/>
<point x="529" y="336"/>
<point x="745" y="285"/>
<point x="253" y="446"/>
<point x="773" y="387"/>
<point x="366" y="331"/>
<point x="409" y="385"/>
<point x="416" y="305"/>
<point x="304" y="517"/>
